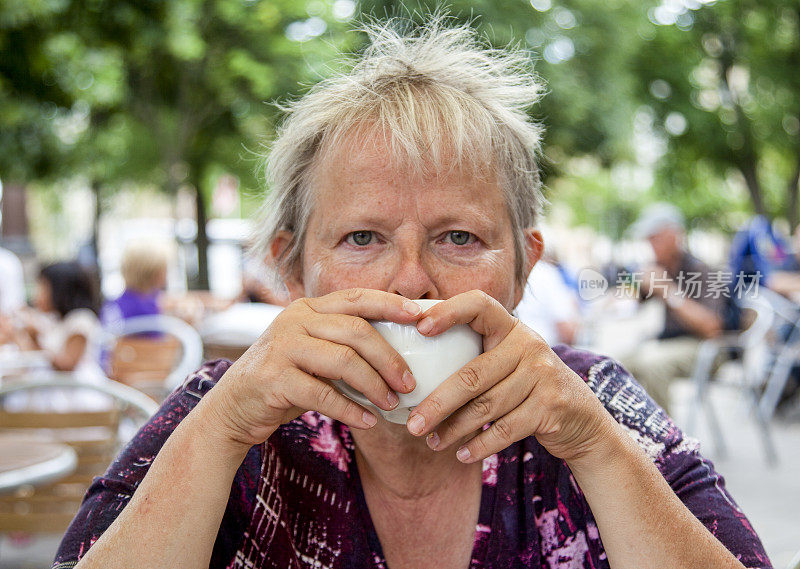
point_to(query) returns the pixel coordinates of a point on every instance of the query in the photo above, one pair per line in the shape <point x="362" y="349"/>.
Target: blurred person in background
<point x="12" y="283"/>
<point x="694" y="308"/>
<point x="784" y="277"/>
<point x="549" y="305"/>
<point x="144" y="269"/>
<point x="256" y="285"/>
<point x="65" y="327"/>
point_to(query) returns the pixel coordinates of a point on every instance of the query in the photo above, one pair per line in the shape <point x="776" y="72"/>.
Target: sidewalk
<point x="769" y="496"/>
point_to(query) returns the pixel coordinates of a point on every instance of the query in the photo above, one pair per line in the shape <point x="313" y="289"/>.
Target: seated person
<point x="549" y="305"/>
<point x="413" y="176"/>
<point x="12" y="283"/>
<point x="144" y="269"/>
<point x="694" y="308"/>
<point x="784" y="278"/>
<point x="65" y="327"/>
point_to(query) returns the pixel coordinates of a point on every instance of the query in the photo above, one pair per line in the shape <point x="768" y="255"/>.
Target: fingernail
<point x="425" y="325"/>
<point x="411" y="307"/>
<point x="408" y="381"/>
<point x="369" y="419"/>
<point x="433" y="440"/>
<point x="463" y="454"/>
<point x="392" y="399"/>
<point x="416" y="423"/>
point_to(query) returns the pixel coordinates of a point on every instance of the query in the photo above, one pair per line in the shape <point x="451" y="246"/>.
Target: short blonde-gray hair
<point x="440" y="97"/>
<point x="143" y="264"/>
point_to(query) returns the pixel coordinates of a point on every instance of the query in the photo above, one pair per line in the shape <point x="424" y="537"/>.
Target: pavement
<point x="768" y="495"/>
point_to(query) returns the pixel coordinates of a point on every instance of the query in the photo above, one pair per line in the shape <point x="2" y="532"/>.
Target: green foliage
<point x="694" y="101"/>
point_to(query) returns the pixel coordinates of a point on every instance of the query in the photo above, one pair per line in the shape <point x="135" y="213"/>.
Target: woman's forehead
<point x="367" y="186"/>
<point x="366" y="164"/>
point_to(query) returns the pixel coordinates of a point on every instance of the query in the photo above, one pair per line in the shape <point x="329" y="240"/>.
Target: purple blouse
<point x="128" y="305"/>
<point x="297" y="499"/>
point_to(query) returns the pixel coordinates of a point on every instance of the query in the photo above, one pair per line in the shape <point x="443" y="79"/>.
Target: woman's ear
<point x="534" y="247"/>
<point x="292" y="279"/>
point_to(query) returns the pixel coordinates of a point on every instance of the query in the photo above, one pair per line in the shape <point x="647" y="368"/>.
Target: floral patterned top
<point x="297" y="499"/>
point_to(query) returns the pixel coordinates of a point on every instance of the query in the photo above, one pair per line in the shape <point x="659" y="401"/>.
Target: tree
<point x="157" y="92"/>
<point x="726" y="96"/>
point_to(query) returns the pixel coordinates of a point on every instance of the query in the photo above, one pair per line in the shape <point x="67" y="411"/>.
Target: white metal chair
<point x="750" y="345"/>
<point x="95" y="436"/>
<point x="230" y="332"/>
<point x="155" y="365"/>
<point x="785" y="350"/>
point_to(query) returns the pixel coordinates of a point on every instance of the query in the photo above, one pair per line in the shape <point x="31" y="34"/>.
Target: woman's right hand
<point x="287" y="371"/>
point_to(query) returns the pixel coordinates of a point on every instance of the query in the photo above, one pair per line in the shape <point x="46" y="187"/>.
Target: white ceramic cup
<point x="431" y="360"/>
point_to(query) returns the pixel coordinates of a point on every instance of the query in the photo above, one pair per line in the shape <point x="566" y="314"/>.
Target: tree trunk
<point x="201" y="240"/>
<point x="748" y="170"/>
<point x="98" y="210"/>
<point x="792" y="198"/>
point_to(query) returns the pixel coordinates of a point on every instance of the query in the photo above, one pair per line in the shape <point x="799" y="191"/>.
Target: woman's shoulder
<point x="627" y="401"/>
<point x="81" y="316"/>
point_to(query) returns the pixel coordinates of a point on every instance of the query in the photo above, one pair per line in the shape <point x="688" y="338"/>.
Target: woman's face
<point x="377" y="228"/>
<point x="43" y="296"/>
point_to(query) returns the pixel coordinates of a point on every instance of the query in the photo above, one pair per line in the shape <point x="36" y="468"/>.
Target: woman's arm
<point x="641" y="521"/>
<point x="523" y="388"/>
<point x="173" y="518"/>
<point x="69" y="356"/>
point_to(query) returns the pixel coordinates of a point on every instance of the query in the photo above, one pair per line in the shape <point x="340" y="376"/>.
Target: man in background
<point x="12" y="283"/>
<point x="694" y="303"/>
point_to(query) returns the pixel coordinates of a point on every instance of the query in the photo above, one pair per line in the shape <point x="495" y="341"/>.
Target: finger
<point x="475" y="378"/>
<point x="338" y="361"/>
<point x="370" y="345"/>
<point x="495" y="403"/>
<point x="367" y="303"/>
<point x="505" y="431"/>
<point x="477" y="309"/>
<point x="308" y="392"/>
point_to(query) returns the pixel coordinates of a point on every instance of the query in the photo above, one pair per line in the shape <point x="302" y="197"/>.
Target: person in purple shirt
<point x="411" y="176"/>
<point x="144" y="269"/>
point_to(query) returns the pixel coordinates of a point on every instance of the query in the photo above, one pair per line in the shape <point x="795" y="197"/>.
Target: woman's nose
<point x="412" y="279"/>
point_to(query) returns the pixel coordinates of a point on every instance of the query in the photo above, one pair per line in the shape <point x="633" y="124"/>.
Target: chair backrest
<point x="94" y="435"/>
<point x="143" y="362"/>
<point x="228" y="334"/>
<point x="154" y="353"/>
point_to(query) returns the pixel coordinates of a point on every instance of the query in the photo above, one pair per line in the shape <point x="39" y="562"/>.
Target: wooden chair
<point x="153" y="353"/>
<point x="92" y="434"/>
<point x="213" y="351"/>
<point x="144" y="363"/>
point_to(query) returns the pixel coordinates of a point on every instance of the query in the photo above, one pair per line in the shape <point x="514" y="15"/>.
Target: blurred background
<point x="131" y="143"/>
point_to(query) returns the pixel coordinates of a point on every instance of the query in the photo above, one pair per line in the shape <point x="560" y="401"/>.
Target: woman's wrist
<point x="606" y="456"/>
<point x="208" y="422"/>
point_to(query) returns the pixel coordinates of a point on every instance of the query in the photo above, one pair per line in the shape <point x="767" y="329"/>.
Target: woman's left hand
<point x="518" y="384"/>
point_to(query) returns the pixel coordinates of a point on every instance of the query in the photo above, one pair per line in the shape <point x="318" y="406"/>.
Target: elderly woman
<point x="412" y="176"/>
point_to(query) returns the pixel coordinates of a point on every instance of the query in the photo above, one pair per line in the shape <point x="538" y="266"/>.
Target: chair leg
<point x="776" y="383"/>
<point x="764" y="429"/>
<point x="716" y="430"/>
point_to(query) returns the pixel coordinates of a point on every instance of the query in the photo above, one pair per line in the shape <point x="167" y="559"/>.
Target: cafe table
<point x="28" y="460"/>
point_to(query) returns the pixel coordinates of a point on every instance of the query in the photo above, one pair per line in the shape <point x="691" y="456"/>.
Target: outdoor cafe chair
<point x="785" y="350"/>
<point x="95" y="436"/>
<point x="750" y="346"/>
<point x="154" y="354"/>
<point x="228" y="334"/>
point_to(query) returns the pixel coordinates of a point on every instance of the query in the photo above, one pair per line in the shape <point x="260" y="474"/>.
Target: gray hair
<point x="440" y="97"/>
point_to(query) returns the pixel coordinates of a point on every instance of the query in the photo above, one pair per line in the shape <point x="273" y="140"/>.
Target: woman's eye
<point x="360" y="238"/>
<point x="460" y="237"/>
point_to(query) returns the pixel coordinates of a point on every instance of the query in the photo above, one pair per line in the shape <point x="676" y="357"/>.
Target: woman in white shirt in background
<point x="66" y="329"/>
